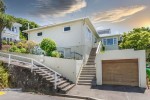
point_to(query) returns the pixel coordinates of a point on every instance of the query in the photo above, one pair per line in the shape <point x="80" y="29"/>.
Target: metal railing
<point x="34" y="64"/>
<point x="99" y="47"/>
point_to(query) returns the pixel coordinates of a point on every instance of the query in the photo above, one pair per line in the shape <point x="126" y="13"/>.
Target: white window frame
<point x="65" y="27"/>
<point x="113" y="41"/>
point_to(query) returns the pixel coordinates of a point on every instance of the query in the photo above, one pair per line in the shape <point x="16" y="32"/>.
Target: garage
<point x="120" y="72"/>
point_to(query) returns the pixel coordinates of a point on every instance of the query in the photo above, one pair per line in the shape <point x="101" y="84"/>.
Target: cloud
<point x="57" y="8"/>
<point x="117" y="15"/>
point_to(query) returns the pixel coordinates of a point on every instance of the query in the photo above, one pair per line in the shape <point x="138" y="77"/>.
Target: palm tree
<point x="6" y="21"/>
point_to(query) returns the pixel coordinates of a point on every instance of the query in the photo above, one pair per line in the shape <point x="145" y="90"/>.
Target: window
<point x="39" y="34"/>
<point x="13" y="29"/>
<point x="110" y="41"/>
<point x="10" y="39"/>
<point x="4" y="38"/>
<point x="67" y="28"/>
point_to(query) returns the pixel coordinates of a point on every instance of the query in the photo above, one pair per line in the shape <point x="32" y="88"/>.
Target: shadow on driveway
<point x="119" y="88"/>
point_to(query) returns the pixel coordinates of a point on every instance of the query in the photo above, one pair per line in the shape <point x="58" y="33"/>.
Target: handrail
<point x="32" y="63"/>
<point x="98" y="48"/>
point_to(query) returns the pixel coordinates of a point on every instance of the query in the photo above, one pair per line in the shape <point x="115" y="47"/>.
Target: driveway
<point x="11" y="95"/>
<point x="107" y="92"/>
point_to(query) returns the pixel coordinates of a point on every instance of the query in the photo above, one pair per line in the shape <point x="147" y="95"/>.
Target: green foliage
<point x="137" y="39"/>
<point x="30" y="45"/>
<point x="4" y="42"/>
<point x="3" y="76"/>
<point x="55" y="54"/>
<point x="24" y="23"/>
<point x="23" y="50"/>
<point x="13" y="48"/>
<point x="11" y="43"/>
<point x="48" y="46"/>
<point x="148" y="72"/>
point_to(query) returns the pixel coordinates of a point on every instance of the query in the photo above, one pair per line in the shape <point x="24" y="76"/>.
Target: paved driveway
<point x="112" y="92"/>
<point x="11" y="95"/>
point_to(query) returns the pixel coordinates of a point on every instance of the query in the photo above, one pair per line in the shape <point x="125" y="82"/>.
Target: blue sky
<point x="119" y="15"/>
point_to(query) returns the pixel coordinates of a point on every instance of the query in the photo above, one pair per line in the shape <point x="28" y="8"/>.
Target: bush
<point x="11" y="43"/>
<point x="18" y="50"/>
<point x="4" y="42"/>
<point x="30" y="46"/>
<point x="23" y="50"/>
<point x="13" y="48"/>
<point x="21" y="44"/>
<point x="48" y="46"/>
<point x="55" y="54"/>
<point x="3" y="76"/>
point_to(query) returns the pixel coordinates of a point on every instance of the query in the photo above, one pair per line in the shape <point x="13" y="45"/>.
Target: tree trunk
<point x="1" y="29"/>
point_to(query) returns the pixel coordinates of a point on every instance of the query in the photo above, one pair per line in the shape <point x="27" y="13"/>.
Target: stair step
<point x="50" y="79"/>
<point x="64" y="85"/>
<point x="89" y="69"/>
<point x="90" y="63"/>
<point x="66" y="89"/>
<point x="86" y="78"/>
<point x="61" y="82"/>
<point x="88" y="73"/>
<point x="85" y="81"/>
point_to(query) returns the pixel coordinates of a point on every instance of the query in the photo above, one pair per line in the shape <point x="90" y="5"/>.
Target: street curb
<point x="76" y="96"/>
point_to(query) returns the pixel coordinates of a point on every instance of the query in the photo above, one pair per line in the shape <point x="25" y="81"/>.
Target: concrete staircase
<point x="88" y="73"/>
<point x="63" y="84"/>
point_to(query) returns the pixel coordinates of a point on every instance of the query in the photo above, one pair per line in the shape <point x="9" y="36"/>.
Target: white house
<point x="111" y="41"/>
<point x="13" y="33"/>
<point x="73" y="38"/>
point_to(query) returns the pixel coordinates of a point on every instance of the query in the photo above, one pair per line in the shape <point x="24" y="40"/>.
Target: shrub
<point x="3" y="76"/>
<point x="48" y="46"/>
<point x="23" y="50"/>
<point x="13" y="48"/>
<point x="18" y="50"/>
<point x="55" y="54"/>
<point x="4" y="42"/>
<point x="11" y="43"/>
<point x="19" y="45"/>
<point x="30" y="45"/>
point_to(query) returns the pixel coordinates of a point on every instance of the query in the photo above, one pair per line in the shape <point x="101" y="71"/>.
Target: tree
<point x="25" y="24"/>
<point x="138" y="39"/>
<point x="5" y="20"/>
<point x="48" y="46"/>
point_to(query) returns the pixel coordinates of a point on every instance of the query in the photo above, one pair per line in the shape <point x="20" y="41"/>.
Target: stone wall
<point x="21" y="77"/>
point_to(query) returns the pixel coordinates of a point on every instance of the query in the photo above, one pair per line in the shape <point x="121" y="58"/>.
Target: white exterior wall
<point x="8" y="33"/>
<point x="111" y="47"/>
<point x="68" y="68"/>
<point x="123" y="54"/>
<point x="88" y="43"/>
<point x="74" y="37"/>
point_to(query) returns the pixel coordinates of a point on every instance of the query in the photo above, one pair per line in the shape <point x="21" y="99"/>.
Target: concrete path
<point x="112" y="92"/>
<point x="11" y="95"/>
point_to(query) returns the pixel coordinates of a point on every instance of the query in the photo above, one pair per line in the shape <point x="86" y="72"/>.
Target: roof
<point x="17" y="24"/>
<point x="104" y="31"/>
<point x="109" y="35"/>
<point x="87" y="20"/>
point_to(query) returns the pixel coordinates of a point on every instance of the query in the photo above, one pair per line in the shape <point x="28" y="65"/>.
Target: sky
<point x="118" y="15"/>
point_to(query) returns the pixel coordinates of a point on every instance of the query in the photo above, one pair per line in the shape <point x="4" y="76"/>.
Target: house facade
<point x="74" y="39"/>
<point x="12" y="34"/>
<point x="111" y="41"/>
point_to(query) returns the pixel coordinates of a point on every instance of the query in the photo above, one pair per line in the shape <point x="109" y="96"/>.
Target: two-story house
<point x="73" y="38"/>
<point x="12" y="34"/>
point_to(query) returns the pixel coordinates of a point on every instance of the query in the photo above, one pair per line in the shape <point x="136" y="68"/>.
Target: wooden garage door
<point x="120" y="72"/>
